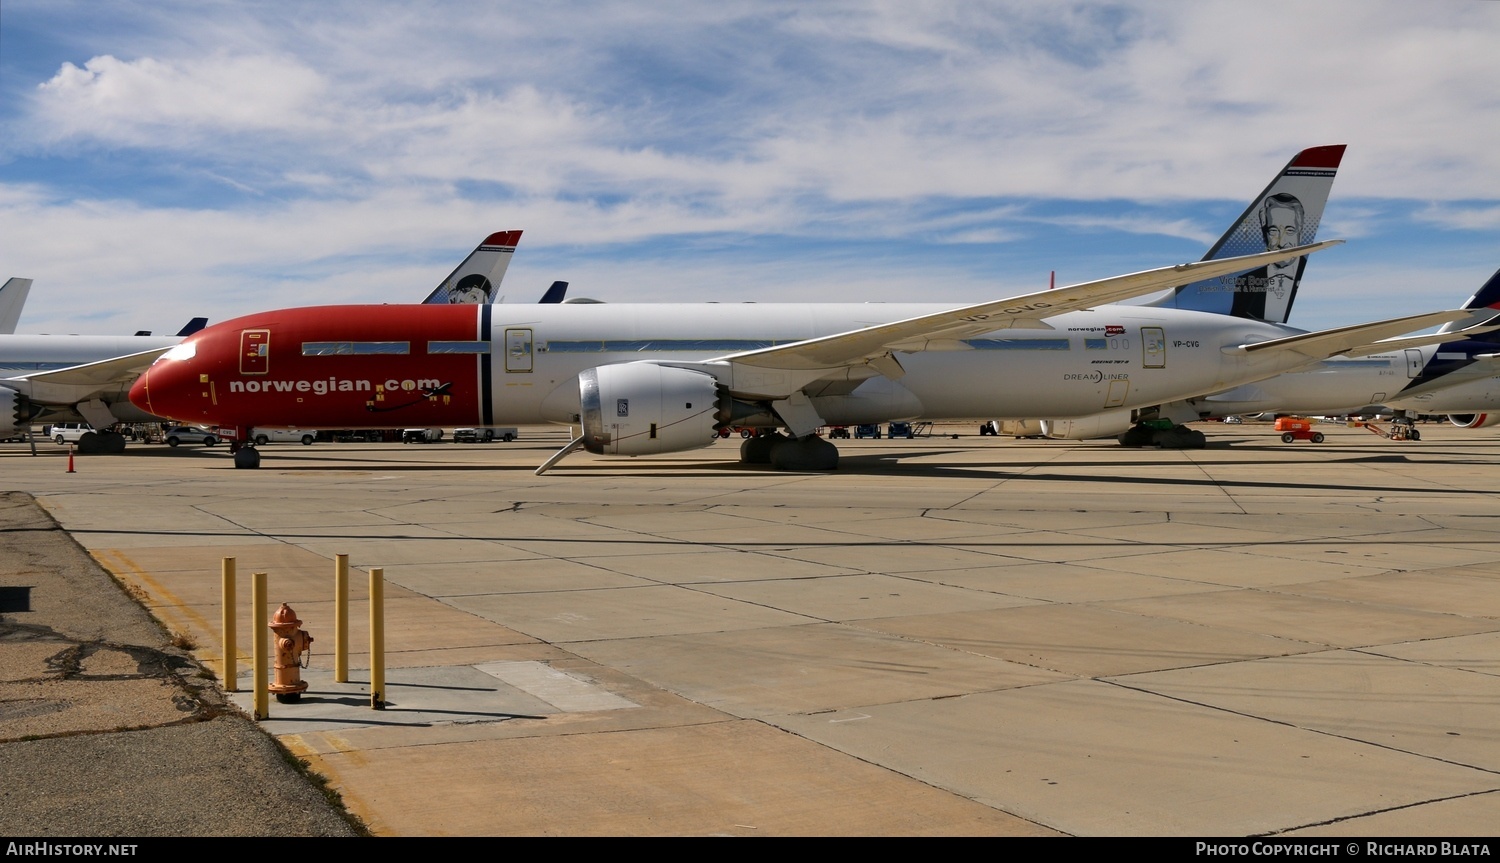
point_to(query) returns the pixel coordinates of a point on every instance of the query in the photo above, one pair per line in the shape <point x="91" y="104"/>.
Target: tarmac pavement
<point x="106" y="728"/>
<point x="973" y="636"/>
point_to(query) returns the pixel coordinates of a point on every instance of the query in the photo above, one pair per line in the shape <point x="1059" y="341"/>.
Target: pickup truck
<point x="263" y="436"/>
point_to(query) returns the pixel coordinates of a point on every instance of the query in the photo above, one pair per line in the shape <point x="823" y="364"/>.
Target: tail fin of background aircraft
<point x="192" y="326"/>
<point x="1487" y="297"/>
<point x="555" y="294"/>
<point x="1285" y="214"/>
<point x="479" y="276"/>
<point x="12" y="298"/>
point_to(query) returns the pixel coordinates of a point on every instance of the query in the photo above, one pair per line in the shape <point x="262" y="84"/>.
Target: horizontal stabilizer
<point x="1359" y="339"/>
<point x="1445" y="335"/>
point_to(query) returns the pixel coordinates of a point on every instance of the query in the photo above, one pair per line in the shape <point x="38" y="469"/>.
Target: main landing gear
<point x="1163" y="434"/>
<point x="806" y="453"/>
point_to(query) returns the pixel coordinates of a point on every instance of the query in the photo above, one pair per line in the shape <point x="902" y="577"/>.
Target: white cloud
<point x="132" y="102"/>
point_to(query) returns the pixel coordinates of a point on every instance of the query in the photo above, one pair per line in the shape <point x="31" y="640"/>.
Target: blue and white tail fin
<point x="192" y="326"/>
<point x="478" y="278"/>
<point x="555" y="294"/>
<point x="1286" y="214"/>
<point x="12" y="299"/>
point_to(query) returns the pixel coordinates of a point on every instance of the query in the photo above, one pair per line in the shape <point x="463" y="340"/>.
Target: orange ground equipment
<point x="1297" y="428"/>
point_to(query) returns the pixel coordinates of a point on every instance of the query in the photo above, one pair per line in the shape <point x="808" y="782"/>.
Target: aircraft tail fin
<point x="1487" y="297"/>
<point x="1285" y="214"/>
<point x="479" y="276"/>
<point x="555" y="294"/>
<point x="192" y="326"/>
<point x="12" y="299"/>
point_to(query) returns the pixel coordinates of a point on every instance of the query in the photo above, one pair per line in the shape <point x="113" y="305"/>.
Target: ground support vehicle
<point x="1399" y="430"/>
<point x="484" y="435"/>
<point x="1297" y="428"/>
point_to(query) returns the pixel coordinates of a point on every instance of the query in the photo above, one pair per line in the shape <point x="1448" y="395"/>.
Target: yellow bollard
<point x="260" y="662"/>
<point x="231" y="650"/>
<point x="377" y="638"/>
<point x="341" y="618"/>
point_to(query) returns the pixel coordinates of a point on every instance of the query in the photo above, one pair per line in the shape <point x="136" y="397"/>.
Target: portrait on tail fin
<point x="478" y="278"/>
<point x="1267" y="293"/>
<point x="1285" y="214"/>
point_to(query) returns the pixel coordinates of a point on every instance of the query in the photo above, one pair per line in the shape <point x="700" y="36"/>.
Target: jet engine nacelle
<point x="1474" y="421"/>
<point x="15" y="413"/>
<point x="1102" y="425"/>
<point x="645" y="408"/>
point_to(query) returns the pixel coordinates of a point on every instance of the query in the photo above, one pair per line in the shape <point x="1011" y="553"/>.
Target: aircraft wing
<point x="1361" y="340"/>
<point x="104" y="373"/>
<point x="942" y="330"/>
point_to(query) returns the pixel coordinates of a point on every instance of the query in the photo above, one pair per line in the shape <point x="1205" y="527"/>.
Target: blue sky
<point x="164" y="159"/>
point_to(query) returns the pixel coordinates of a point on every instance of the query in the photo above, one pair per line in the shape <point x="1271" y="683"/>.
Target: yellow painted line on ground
<point x="166" y="602"/>
<point x="319" y="764"/>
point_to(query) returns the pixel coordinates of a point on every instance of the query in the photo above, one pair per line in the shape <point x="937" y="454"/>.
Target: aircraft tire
<point x="808" y="453"/>
<point x="89" y="443"/>
<point x="1180" y="437"/>
<point x="1137" y="436"/>
<point x="757" y="450"/>
<point x="247" y="457"/>
<point x="111" y="442"/>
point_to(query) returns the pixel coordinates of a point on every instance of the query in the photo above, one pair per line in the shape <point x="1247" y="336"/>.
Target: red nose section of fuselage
<point x="163" y="389"/>
<point x="327" y="367"/>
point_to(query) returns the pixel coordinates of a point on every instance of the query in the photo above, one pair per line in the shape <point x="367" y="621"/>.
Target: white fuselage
<point x="1107" y="358"/>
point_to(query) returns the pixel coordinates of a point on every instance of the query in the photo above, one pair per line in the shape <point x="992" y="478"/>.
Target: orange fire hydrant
<point x="291" y="644"/>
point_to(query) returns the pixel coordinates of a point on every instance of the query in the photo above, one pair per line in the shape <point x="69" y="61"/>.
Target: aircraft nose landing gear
<point x="246" y="456"/>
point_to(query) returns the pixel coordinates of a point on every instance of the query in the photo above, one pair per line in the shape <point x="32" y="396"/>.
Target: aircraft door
<point x="255" y="352"/>
<point x="518" y="356"/>
<point x="1154" y="348"/>
<point x="1414" y="363"/>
